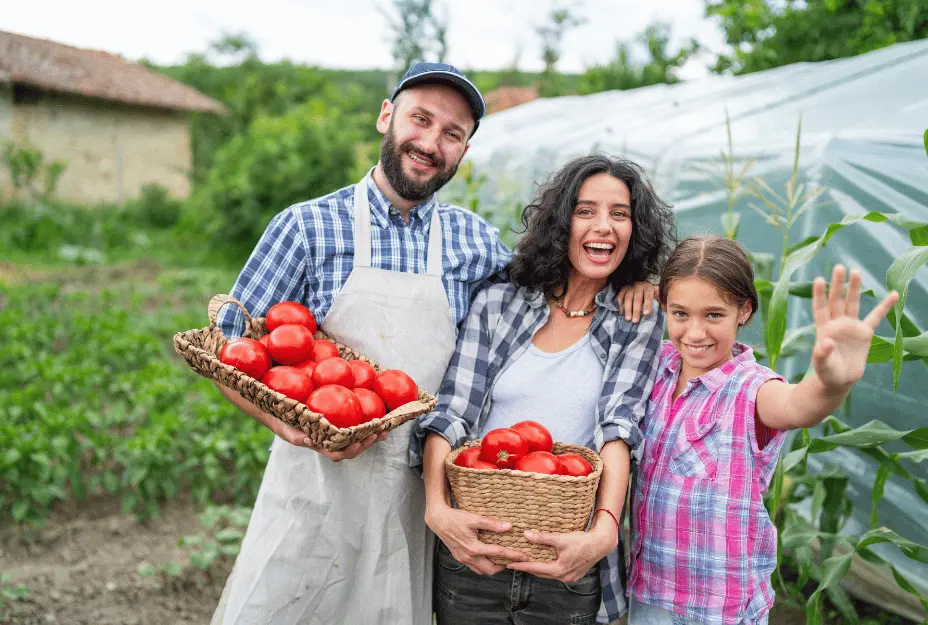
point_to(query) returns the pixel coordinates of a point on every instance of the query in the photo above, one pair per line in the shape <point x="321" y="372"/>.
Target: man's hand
<point x="353" y="450"/>
<point x="293" y="435"/>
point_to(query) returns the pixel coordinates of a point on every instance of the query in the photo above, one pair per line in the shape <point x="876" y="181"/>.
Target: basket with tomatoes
<point x="295" y="372"/>
<point x="520" y="475"/>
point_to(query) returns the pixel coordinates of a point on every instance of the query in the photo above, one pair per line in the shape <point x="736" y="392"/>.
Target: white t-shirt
<point x="558" y="390"/>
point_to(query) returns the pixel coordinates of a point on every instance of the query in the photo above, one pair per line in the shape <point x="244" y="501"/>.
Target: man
<point x="389" y="271"/>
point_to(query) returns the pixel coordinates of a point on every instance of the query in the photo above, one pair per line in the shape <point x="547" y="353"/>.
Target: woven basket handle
<point x="218" y="302"/>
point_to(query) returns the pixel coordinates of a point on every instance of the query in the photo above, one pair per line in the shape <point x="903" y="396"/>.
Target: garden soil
<point x="82" y="568"/>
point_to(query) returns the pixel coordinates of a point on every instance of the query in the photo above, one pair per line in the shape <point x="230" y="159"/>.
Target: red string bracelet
<point x="618" y="528"/>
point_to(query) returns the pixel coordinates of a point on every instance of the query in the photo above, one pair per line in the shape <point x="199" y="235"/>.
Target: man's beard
<point x="391" y="158"/>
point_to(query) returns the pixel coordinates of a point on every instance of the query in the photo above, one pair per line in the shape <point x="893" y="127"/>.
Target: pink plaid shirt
<point x="703" y="545"/>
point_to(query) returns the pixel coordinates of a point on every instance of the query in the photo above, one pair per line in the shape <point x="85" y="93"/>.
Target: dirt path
<point x="83" y="568"/>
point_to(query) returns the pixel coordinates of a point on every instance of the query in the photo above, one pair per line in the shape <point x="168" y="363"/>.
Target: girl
<point x="703" y="546"/>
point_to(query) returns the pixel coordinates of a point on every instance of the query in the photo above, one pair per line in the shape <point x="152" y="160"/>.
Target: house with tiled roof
<point x="504" y="98"/>
<point x="115" y="124"/>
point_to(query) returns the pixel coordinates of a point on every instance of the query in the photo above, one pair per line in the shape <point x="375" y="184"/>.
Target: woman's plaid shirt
<point x="499" y="328"/>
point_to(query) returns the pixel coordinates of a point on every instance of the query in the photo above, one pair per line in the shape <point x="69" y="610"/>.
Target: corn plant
<point x="730" y="174"/>
<point x="792" y="482"/>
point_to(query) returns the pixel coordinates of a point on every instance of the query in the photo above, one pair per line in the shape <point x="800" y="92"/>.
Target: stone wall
<point x="110" y="149"/>
<point x="6" y="118"/>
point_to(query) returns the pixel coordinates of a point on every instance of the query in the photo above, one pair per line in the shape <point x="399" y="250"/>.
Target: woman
<point x="552" y="346"/>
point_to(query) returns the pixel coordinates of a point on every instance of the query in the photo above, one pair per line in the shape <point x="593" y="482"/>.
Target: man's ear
<point x="383" y="120"/>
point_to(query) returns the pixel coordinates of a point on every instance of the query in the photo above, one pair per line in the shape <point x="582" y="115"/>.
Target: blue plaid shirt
<point x="501" y="323"/>
<point x="307" y="252"/>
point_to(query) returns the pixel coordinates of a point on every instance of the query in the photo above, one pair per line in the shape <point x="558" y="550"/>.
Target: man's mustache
<point x="435" y="158"/>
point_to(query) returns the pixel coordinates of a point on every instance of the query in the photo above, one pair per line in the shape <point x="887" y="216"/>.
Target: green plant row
<point x="94" y="401"/>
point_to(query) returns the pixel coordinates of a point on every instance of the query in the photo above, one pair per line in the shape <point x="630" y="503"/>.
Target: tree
<point x="419" y="32"/>
<point x="623" y="73"/>
<point x="277" y="161"/>
<point x="770" y="33"/>
<point x="551" y="33"/>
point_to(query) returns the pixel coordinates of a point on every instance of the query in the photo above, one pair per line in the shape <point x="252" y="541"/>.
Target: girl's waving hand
<point x="842" y="339"/>
<point x="842" y="342"/>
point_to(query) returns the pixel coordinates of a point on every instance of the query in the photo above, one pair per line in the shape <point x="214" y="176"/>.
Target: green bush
<point x="59" y="228"/>
<point x="154" y="207"/>
<point x="279" y="161"/>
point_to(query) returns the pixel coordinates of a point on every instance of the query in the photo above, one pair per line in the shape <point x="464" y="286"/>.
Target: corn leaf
<point x="776" y="325"/>
<point x="898" y="277"/>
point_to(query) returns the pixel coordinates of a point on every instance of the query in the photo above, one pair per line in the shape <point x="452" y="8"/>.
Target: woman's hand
<point x="458" y="530"/>
<point x="842" y="339"/>
<point x="577" y="552"/>
<point x="636" y="300"/>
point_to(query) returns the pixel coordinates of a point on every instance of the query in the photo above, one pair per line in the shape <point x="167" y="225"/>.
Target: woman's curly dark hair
<point x="541" y="259"/>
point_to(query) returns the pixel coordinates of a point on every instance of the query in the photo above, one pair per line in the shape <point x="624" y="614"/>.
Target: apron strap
<point x="433" y="263"/>
<point x="362" y="225"/>
<point x="362" y="232"/>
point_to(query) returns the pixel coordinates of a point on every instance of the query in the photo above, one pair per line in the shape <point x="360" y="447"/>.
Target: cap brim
<point x="462" y="85"/>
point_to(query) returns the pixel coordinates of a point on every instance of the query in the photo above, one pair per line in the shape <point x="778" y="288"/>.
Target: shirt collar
<point x="381" y="207"/>
<point x="715" y="379"/>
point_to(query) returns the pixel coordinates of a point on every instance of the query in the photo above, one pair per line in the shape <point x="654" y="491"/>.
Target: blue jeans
<point x="511" y="597"/>
<point x="644" y="614"/>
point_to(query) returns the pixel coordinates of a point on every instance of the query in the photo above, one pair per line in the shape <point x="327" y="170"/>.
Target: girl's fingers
<point x="882" y="309"/>
<point x="836" y="295"/>
<point x="852" y="301"/>
<point x="819" y="303"/>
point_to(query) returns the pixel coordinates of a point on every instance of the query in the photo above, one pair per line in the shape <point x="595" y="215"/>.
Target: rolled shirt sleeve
<point x="631" y="367"/>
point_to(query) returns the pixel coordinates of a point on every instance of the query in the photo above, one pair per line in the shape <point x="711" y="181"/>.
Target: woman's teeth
<point x="599" y="249"/>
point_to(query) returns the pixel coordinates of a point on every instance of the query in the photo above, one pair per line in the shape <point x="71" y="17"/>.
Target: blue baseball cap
<point x="422" y="73"/>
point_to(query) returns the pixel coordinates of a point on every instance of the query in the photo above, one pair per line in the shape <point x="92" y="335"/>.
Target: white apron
<point x="347" y="542"/>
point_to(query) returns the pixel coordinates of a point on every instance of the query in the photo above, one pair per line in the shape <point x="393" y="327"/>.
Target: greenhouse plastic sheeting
<point x="863" y="120"/>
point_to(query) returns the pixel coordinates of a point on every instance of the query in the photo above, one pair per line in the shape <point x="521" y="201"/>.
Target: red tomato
<point x="574" y="464"/>
<point x="503" y="446"/>
<point x="290" y="344"/>
<point x="337" y="404"/>
<point x="468" y="457"/>
<point x="308" y="366"/>
<point x="333" y="371"/>
<point x="395" y="388"/>
<point x="364" y="374"/>
<point x="323" y="349"/>
<point x="371" y="405"/>
<point x="536" y="435"/>
<point x="539" y="462"/>
<point x="290" y="381"/>
<point x="286" y="313"/>
<point x="480" y="464"/>
<point x="246" y="355"/>
<point x="263" y="339"/>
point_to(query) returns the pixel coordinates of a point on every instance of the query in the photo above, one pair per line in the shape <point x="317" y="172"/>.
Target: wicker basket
<point x="200" y="348"/>
<point x="549" y="503"/>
